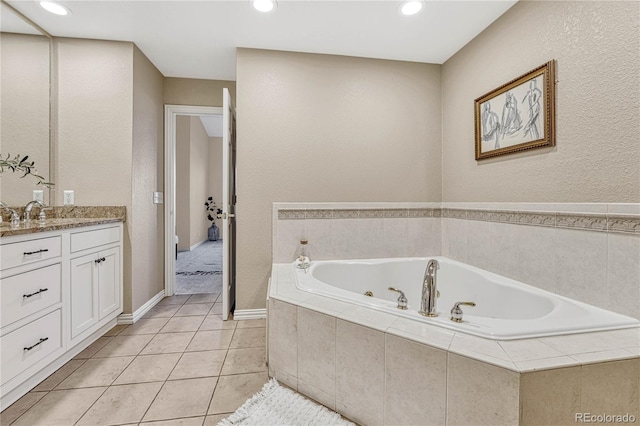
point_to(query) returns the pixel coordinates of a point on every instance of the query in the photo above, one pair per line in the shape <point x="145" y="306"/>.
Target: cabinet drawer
<point x="89" y="239"/>
<point x="24" y="294"/>
<point x="29" y="344"/>
<point x="25" y="252"/>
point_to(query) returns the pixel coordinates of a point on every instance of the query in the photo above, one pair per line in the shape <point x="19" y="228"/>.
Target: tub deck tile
<point x="427" y="334"/>
<point x="545" y="364"/>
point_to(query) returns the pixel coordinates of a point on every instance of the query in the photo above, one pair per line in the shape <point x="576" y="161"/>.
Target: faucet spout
<point x="428" y="304"/>
<point x="29" y="207"/>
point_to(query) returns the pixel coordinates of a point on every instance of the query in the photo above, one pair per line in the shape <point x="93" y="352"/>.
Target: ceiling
<point x="198" y="39"/>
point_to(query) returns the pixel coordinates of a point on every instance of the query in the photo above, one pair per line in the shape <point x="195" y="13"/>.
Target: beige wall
<point x="183" y="178"/>
<point x="24" y="111"/>
<point x="188" y="91"/>
<point x="146" y="218"/>
<point x="199" y="170"/>
<point x="215" y="174"/>
<point x="328" y="128"/>
<point x="597" y="157"/>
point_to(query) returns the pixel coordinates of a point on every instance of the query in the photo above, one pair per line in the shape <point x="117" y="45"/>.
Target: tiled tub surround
<point x="587" y="252"/>
<point x="376" y="368"/>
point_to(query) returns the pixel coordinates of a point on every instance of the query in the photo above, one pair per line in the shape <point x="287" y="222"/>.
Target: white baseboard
<point x="249" y="314"/>
<point x="196" y="245"/>
<point x="132" y="318"/>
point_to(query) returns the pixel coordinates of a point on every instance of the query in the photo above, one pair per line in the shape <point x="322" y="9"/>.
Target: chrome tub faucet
<point x="429" y="298"/>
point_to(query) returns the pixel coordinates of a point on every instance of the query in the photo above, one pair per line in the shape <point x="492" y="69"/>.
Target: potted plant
<point x="210" y="209"/>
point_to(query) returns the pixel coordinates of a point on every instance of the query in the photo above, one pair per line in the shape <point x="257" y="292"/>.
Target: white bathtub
<point x="505" y="309"/>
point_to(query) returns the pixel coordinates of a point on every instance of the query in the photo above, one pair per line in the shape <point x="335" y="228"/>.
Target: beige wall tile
<point x="415" y="383"/>
<point x="326" y="399"/>
<point x="480" y="394"/>
<point x="283" y="344"/>
<point x="611" y="387"/>
<point x="623" y="274"/>
<point x="317" y="354"/>
<point x="359" y="373"/>
<point x="550" y="396"/>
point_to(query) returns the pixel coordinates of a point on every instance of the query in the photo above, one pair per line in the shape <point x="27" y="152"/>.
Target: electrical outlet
<point x="38" y="195"/>
<point x="68" y="198"/>
<point x="158" y="198"/>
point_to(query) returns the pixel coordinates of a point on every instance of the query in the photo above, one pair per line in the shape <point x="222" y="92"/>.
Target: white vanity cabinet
<point x="59" y="291"/>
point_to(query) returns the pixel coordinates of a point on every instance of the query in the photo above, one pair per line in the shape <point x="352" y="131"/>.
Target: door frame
<point x="170" y="114"/>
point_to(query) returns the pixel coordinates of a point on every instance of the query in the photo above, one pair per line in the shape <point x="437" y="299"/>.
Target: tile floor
<point x="178" y="365"/>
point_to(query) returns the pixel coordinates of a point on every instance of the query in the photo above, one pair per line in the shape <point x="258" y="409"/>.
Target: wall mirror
<point x="25" y="93"/>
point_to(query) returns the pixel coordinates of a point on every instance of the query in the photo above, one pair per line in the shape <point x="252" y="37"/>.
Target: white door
<point x="84" y="297"/>
<point x="228" y="204"/>
<point x="108" y="270"/>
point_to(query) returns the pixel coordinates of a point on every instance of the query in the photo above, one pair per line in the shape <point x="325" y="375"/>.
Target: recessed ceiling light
<point x="55" y="8"/>
<point x="411" y="7"/>
<point x="264" y="5"/>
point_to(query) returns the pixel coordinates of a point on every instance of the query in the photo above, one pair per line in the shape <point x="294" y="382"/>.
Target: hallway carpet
<point x="200" y="270"/>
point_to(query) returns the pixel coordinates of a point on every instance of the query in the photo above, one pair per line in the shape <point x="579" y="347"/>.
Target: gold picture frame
<point x="517" y="116"/>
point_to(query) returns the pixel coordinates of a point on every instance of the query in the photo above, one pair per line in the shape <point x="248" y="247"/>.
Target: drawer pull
<point x="29" y="253"/>
<point x="33" y="346"/>
<point x="42" y="290"/>
<point x="102" y="259"/>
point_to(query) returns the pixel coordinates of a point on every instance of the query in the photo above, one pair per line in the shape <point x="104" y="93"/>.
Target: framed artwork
<point x="518" y="115"/>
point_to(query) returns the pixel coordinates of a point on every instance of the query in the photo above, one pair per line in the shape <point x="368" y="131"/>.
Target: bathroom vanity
<point x="60" y="289"/>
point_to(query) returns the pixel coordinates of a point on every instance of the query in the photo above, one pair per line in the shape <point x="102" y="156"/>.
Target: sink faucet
<point x="29" y="207"/>
<point x="429" y="290"/>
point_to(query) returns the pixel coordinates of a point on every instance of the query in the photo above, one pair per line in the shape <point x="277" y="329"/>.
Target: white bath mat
<point x="277" y="405"/>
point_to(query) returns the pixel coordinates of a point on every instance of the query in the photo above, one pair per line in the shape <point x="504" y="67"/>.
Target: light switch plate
<point x="69" y="198"/>
<point x="158" y="198"/>
<point x="38" y="195"/>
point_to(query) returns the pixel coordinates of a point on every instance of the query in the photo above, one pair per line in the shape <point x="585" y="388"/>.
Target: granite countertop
<point x="64" y="218"/>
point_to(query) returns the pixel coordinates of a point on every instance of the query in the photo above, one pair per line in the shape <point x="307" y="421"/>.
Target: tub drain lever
<point x="456" y="312"/>
<point x="402" y="300"/>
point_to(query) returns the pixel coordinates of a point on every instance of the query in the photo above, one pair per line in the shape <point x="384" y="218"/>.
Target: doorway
<point x="198" y="195"/>
<point x="192" y="264"/>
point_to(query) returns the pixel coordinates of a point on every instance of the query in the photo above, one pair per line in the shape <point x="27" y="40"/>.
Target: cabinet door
<point x="84" y="294"/>
<point x="108" y="270"/>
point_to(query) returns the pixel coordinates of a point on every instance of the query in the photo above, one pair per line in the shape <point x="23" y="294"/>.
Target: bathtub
<point x="505" y="309"/>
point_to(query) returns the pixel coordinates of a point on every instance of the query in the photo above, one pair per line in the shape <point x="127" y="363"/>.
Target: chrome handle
<point x="29" y="253"/>
<point x="456" y="312"/>
<point x="42" y="340"/>
<point x="42" y="290"/>
<point x="402" y="300"/>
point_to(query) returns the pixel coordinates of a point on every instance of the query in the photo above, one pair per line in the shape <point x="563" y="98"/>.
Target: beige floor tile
<point x="217" y="309"/>
<point x="115" y="330"/>
<point x="175" y="300"/>
<point x="249" y="338"/>
<point x="148" y="368"/>
<point x="185" y="421"/>
<point x="181" y="324"/>
<point x="63" y="407"/>
<point x="244" y="360"/>
<point x="124" y="346"/>
<point x="19" y="407"/>
<point x="233" y="391"/>
<point x="194" y="309"/>
<point x="255" y="323"/>
<point x="203" y="298"/>
<point x="145" y="326"/>
<point x="168" y="343"/>
<point x="93" y="348"/>
<point x="210" y="340"/>
<point x="182" y="398"/>
<point x="121" y="404"/>
<point x="199" y="364"/>
<point x="213" y="420"/>
<point x="215" y="322"/>
<point x="96" y="372"/>
<point x="59" y="375"/>
<point x="162" y="311"/>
